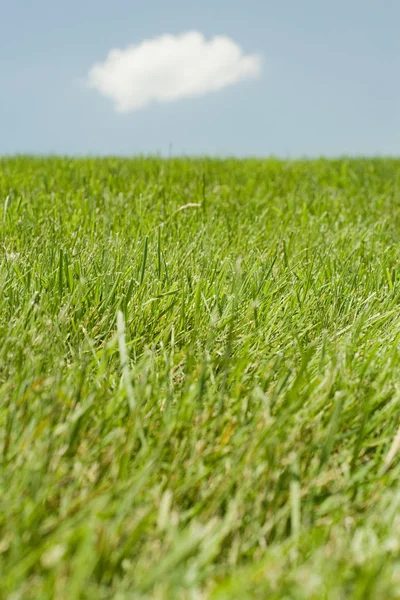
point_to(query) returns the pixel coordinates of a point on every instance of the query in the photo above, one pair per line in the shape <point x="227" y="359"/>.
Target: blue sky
<point x="329" y="82"/>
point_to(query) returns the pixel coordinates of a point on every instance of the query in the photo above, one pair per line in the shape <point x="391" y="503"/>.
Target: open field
<point x="199" y="379"/>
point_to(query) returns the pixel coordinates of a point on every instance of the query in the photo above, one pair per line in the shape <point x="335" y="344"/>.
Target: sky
<point x="288" y="78"/>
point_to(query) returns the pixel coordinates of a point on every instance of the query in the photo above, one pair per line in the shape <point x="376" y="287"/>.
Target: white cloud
<point x="169" y="68"/>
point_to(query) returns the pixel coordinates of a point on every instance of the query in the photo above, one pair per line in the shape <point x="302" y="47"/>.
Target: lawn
<point x="199" y="379"/>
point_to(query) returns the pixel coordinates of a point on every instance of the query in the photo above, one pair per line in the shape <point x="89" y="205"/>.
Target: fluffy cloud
<point x="169" y="68"/>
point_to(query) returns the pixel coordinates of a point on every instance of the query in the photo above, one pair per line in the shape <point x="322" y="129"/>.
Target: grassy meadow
<point x="199" y="379"/>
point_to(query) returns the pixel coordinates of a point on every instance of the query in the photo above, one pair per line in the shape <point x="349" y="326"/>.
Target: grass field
<point x="199" y="379"/>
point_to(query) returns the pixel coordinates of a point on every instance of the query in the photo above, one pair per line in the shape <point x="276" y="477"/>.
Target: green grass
<point x="199" y="379"/>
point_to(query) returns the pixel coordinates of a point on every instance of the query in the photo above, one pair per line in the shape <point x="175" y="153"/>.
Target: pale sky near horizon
<point x="295" y="78"/>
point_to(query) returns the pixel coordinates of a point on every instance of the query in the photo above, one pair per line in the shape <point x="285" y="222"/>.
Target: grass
<point x="199" y="379"/>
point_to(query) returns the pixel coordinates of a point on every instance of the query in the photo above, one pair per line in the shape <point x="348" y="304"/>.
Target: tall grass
<point x="199" y="379"/>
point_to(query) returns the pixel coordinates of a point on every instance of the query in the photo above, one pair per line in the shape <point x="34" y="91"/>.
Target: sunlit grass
<point x="200" y="379"/>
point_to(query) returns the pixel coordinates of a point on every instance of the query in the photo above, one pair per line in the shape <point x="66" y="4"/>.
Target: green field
<point x="199" y="379"/>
